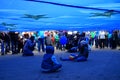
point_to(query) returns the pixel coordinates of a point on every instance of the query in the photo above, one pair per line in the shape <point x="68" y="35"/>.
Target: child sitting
<point x="83" y="53"/>
<point x="49" y="62"/>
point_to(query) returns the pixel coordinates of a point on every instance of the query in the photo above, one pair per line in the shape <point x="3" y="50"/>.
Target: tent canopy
<point x="33" y="15"/>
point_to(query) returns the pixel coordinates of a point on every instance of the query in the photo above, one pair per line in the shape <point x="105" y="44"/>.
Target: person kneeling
<point x="49" y="62"/>
<point x="29" y="47"/>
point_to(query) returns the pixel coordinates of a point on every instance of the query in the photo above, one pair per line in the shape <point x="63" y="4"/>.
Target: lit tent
<point x="33" y="15"/>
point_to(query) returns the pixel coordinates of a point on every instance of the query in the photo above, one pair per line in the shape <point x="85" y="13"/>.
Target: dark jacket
<point x="47" y="62"/>
<point x="28" y="47"/>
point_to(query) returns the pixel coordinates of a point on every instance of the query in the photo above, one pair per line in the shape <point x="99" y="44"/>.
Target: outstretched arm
<point x="54" y="59"/>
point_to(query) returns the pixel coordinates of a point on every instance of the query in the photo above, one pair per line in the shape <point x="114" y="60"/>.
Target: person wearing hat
<point x="83" y="53"/>
<point x="49" y="62"/>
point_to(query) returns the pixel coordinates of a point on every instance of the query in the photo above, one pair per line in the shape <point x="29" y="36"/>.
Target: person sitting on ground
<point x="49" y="62"/>
<point x="73" y="49"/>
<point x="83" y="53"/>
<point x="29" y="47"/>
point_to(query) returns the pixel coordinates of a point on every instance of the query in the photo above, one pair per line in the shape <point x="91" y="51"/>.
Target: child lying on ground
<point x="49" y="62"/>
<point x="83" y="53"/>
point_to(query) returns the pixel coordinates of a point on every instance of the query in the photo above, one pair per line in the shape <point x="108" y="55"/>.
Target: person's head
<point x="83" y="34"/>
<point x="82" y="46"/>
<point x="32" y="38"/>
<point x="50" y="49"/>
<point x="83" y="43"/>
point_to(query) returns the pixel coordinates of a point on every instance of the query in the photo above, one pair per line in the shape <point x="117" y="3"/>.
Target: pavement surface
<point x="102" y="64"/>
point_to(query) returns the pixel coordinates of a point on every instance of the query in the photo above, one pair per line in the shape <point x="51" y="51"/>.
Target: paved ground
<point x="102" y="64"/>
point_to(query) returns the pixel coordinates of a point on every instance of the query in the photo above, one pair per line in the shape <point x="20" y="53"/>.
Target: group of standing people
<point x="12" y="41"/>
<point x="104" y="39"/>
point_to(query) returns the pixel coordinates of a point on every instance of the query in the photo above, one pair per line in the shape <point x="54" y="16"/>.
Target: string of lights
<point x="73" y="6"/>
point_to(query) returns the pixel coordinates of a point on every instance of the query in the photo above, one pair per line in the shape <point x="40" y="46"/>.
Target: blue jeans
<point x="41" y="43"/>
<point x="2" y="48"/>
<point x="14" y="45"/>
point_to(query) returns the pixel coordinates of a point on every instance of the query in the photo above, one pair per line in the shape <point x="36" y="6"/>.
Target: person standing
<point x="41" y="41"/>
<point x="63" y="42"/>
<point x="102" y="39"/>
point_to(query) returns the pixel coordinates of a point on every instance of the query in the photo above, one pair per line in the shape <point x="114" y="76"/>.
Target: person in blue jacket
<point x="83" y="53"/>
<point x="29" y="47"/>
<point x="63" y="42"/>
<point x="49" y="62"/>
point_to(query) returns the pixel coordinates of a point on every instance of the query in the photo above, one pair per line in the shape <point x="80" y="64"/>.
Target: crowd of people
<point x="16" y="42"/>
<point x="48" y="41"/>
